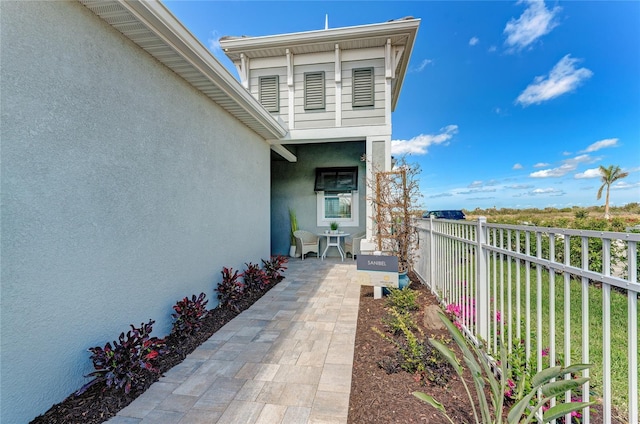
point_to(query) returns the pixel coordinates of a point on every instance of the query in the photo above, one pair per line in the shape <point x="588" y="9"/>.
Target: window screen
<point x="337" y="205"/>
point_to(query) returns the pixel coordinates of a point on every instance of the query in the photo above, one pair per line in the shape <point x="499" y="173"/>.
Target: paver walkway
<point x="286" y="359"/>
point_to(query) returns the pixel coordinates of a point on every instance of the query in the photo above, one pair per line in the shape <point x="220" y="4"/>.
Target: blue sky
<point x="505" y="104"/>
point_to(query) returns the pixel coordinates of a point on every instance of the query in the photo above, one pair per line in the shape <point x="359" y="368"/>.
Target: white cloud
<point x="477" y="190"/>
<point x="520" y="186"/>
<point x="563" y="78"/>
<point x="534" y="22"/>
<point x="568" y="165"/>
<point x="214" y="42"/>
<point x="517" y="166"/>
<point x="475" y="184"/>
<point x="546" y="191"/>
<point x="419" y="144"/>
<point x="435" y="196"/>
<point x="541" y="165"/>
<point x="473" y="41"/>
<point x="422" y="65"/>
<point x="589" y="173"/>
<point x="480" y="198"/>
<point x="607" y="142"/>
<point x="623" y="185"/>
<point x="492" y="49"/>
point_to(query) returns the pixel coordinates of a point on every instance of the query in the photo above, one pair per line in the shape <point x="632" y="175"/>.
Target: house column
<point x="243" y="70"/>
<point x="291" y="87"/>
<point x="378" y="154"/>
<point x="338" y="80"/>
<point x="388" y="78"/>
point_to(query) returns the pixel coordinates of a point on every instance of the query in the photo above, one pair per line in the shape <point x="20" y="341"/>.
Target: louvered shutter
<point x="269" y="97"/>
<point x="314" y="90"/>
<point x="363" y="87"/>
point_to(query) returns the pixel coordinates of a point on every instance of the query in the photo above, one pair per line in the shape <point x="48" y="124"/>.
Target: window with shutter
<point x="363" y="87"/>
<point x="269" y="93"/>
<point x="314" y="90"/>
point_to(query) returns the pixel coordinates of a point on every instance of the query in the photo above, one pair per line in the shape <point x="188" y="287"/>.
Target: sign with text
<point x="377" y="270"/>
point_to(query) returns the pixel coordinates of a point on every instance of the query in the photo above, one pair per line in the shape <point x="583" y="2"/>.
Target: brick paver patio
<point x="287" y="359"/>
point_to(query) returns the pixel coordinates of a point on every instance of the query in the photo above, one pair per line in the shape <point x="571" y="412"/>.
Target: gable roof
<point x="400" y="32"/>
<point x="153" y="27"/>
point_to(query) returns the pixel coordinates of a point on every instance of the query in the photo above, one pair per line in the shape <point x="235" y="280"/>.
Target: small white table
<point x="333" y="240"/>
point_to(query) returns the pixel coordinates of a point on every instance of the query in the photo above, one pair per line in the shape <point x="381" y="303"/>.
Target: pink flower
<point x="545" y="352"/>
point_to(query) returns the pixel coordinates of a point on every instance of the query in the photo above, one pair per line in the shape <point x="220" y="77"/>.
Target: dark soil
<point x="98" y="403"/>
<point x="380" y="397"/>
<point x="377" y="397"/>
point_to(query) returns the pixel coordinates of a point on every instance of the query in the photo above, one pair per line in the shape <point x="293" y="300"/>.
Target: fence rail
<point x="553" y="292"/>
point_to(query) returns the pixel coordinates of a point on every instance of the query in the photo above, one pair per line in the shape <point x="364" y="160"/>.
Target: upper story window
<point x="363" y="90"/>
<point x="314" y="91"/>
<point x="269" y="93"/>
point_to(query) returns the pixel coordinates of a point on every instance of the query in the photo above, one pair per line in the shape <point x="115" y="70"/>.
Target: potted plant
<point x="394" y="199"/>
<point x="334" y="227"/>
<point x="294" y="228"/>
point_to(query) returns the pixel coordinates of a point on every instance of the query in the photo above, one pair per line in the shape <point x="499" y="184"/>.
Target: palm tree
<point x="609" y="176"/>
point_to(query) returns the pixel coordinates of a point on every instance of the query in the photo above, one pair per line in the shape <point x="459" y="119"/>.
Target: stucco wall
<point x="292" y="187"/>
<point x="123" y="190"/>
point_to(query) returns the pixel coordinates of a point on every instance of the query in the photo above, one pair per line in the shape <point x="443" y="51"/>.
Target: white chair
<point x="352" y="244"/>
<point x="307" y="242"/>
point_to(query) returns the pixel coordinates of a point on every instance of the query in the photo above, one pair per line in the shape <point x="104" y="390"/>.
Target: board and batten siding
<point x="283" y="92"/>
<point x="324" y="118"/>
<point x="359" y="116"/>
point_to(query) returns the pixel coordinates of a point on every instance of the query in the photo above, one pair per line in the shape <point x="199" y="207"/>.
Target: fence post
<point x="482" y="282"/>
<point x="432" y="257"/>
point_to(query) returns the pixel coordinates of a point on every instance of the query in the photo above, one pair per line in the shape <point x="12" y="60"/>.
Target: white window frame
<point x="354" y="221"/>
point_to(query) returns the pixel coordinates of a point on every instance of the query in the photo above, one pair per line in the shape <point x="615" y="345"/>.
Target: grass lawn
<point x="618" y="323"/>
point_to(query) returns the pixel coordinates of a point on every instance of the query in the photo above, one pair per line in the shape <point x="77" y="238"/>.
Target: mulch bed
<point x="379" y="397"/>
<point x="98" y="403"/>
<point x="376" y="396"/>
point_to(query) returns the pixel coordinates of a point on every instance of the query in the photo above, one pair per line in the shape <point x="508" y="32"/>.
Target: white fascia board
<point x="156" y="17"/>
<point x="401" y="71"/>
<point x="331" y="135"/>
<point x="284" y="152"/>
<point x="334" y="35"/>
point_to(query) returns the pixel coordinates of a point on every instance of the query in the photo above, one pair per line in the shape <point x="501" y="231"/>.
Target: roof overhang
<point x="401" y="33"/>
<point x="153" y="27"/>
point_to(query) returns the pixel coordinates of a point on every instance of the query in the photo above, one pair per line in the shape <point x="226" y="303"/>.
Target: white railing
<point x="556" y="293"/>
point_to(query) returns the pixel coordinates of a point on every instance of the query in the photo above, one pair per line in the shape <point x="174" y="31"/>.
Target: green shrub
<point x="548" y="383"/>
<point x="405" y="299"/>
<point x="581" y="214"/>
<point x="415" y="355"/>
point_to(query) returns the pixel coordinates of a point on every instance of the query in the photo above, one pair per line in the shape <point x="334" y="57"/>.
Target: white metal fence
<point x="555" y="293"/>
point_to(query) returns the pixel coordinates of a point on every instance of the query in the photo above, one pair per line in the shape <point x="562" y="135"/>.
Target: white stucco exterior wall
<point x="123" y="190"/>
